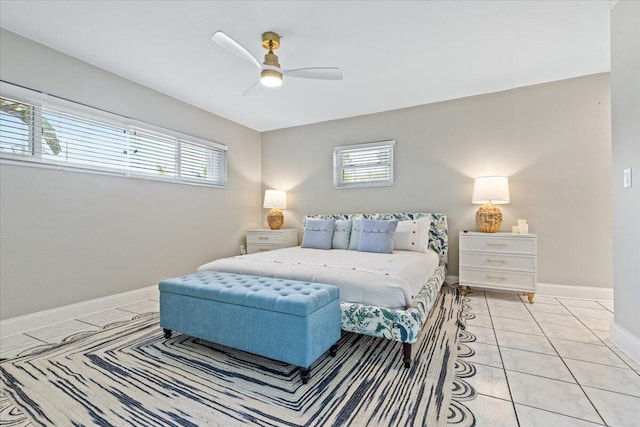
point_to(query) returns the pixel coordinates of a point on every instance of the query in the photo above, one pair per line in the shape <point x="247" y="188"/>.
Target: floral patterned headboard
<point x="438" y="240"/>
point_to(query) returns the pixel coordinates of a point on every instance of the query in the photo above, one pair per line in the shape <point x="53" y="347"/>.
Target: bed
<point x="383" y="295"/>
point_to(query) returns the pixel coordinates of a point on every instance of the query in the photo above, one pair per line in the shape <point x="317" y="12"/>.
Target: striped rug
<point x="128" y="374"/>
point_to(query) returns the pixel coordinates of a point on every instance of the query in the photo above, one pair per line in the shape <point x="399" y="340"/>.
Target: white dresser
<point x="499" y="262"/>
<point x="264" y="239"/>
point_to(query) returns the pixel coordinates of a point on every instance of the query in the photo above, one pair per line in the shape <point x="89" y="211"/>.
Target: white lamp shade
<point x="271" y="78"/>
<point x="491" y="189"/>
<point x="275" y="199"/>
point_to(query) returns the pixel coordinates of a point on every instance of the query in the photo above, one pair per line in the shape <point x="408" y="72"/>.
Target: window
<point x="41" y="129"/>
<point x="16" y="121"/>
<point x="363" y="165"/>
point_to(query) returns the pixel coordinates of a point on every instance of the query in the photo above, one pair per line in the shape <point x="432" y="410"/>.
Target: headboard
<point x="438" y="240"/>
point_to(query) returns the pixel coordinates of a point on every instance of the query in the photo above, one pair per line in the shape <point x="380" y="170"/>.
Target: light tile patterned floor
<point x="549" y="363"/>
<point x="12" y="345"/>
<point x="546" y="364"/>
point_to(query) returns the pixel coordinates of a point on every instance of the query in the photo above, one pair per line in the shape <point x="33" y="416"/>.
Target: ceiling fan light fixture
<point x="271" y="78"/>
<point x="271" y="75"/>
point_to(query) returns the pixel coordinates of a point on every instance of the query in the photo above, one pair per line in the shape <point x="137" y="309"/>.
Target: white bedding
<point x="383" y="280"/>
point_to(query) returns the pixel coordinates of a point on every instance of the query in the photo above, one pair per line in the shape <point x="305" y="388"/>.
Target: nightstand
<point x="499" y="262"/>
<point x="264" y="239"/>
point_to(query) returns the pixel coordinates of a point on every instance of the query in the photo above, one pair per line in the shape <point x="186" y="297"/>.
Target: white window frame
<point x="338" y="165"/>
<point x="37" y="100"/>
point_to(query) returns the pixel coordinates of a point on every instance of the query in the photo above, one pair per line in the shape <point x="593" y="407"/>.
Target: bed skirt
<point x="394" y="324"/>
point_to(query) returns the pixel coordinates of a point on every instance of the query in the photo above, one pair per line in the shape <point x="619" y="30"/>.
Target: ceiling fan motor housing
<point x="270" y="40"/>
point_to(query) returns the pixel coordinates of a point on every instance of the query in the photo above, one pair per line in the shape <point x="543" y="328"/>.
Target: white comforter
<point x="383" y="280"/>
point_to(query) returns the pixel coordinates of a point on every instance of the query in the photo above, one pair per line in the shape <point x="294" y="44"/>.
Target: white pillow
<point x="412" y="235"/>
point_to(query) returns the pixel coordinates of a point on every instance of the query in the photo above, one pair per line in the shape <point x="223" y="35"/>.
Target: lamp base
<point x="275" y="219"/>
<point x="488" y="218"/>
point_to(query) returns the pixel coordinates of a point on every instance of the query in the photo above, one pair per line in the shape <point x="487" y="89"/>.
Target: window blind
<point x="363" y="165"/>
<point x="16" y="122"/>
<point x="42" y="132"/>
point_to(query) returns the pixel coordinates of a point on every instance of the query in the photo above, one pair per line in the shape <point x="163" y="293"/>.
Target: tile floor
<point x="549" y="364"/>
<point x="544" y="364"/>
<point x="12" y="345"/>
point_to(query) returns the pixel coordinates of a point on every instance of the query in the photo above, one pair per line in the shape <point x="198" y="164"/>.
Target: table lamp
<point x="490" y="191"/>
<point x="275" y="200"/>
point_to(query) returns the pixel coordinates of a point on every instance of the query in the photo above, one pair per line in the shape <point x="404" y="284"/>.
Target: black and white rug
<point x="459" y="414"/>
<point x="128" y="374"/>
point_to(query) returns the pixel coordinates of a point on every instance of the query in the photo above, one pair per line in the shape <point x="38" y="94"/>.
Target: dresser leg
<point x="530" y="297"/>
<point x="463" y="289"/>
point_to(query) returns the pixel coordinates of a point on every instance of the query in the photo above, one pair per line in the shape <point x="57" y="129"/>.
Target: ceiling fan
<point x="271" y="74"/>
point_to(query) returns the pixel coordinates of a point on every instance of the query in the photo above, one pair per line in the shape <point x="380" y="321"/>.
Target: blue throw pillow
<point x="341" y="234"/>
<point x="318" y="233"/>
<point x="355" y="234"/>
<point x="377" y="236"/>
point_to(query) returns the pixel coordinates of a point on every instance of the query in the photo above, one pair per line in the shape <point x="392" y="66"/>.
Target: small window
<point x="74" y="140"/>
<point x="152" y="153"/>
<point x="200" y="163"/>
<point x="41" y="129"/>
<point x="363" y="165"/>
<point x="16" y="124"/>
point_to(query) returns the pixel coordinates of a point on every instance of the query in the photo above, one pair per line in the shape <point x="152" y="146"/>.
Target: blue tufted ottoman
<point x="287" y="320"/>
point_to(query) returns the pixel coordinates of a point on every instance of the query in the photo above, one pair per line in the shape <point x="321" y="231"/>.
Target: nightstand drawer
<point x="498" y="244"/>
<point x="263" y="240"/>
<point x="261" y="247"/>
<point x="498" y="279"/>
<point x="497" y="261"/>
<point x="265" y="237"/>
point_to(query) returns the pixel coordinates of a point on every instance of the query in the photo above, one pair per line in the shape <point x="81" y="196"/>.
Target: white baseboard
<point x="20" y="324"/>
<point x="563" y="291"/>
<point x="624" y="339"/>
<point x="571" y="291"/>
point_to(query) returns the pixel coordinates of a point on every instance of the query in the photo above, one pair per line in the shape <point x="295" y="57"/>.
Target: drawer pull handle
<point x="263" y="250"/>
<point x="498" y="261"/>
<point x="496" y="244"/>
<point x="263" y="238"/>
<point x="496" y="277"/>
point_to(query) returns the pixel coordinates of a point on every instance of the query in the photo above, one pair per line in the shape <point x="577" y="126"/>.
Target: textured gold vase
<point x="275" y="219"/>
<point x="488" y="218"/>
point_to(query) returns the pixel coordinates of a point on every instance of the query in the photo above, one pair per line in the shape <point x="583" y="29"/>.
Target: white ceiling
<point x="393" y="54"/>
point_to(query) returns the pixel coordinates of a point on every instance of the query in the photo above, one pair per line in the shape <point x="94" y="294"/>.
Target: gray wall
<point x="67" y="237"/>
<point x="625" y="110"/>
<point x="552" y="141"/>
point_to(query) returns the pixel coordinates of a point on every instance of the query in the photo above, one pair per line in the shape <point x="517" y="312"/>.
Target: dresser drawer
<point x="497" y="261"/>
<point x="499" y="279"/>
<point x="498" y="244"/>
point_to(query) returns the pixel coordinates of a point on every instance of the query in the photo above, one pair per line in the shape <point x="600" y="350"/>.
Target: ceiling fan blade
<point x="250" y="88"/>
<point x="320" y="73"/>
<point x="234" y="47"/>
<point x="258" y="90"/>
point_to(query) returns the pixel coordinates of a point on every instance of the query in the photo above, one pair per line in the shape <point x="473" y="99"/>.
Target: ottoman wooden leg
<point x="305" y="375"/>
<point x="167" y="333"/>
<point x="333" y="350"/>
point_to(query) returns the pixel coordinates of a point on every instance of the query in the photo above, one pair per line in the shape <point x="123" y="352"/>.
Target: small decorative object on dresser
<point x="499" y="261"/>
<point x="263" y="239"/>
